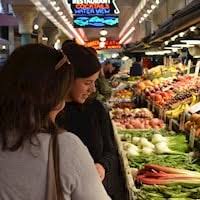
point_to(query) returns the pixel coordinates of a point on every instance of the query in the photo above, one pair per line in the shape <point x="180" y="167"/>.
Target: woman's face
<point x="83" y="87"/>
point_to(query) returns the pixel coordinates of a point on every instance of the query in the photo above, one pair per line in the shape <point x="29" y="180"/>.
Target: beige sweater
<point x="23" y="173"/>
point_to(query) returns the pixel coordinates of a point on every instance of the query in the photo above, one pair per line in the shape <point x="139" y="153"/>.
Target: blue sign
<point x="96" y="21"/>
<point x="96" y="7"/>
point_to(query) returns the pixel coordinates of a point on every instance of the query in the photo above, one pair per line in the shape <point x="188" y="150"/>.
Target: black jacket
<point x="92" y="124"/>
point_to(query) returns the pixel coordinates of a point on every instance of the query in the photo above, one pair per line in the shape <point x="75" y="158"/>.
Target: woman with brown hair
<point x="34" y="84"/>
<point x="89" y="120"/>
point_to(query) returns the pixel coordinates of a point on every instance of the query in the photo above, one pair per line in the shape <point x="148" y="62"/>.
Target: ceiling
<point x="127" y="8"/>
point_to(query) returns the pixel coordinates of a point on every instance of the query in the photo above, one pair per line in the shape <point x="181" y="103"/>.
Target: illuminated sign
<point x="94" y="7"/>
<point x="109" y="44"/>
<point x="95" y="21"/>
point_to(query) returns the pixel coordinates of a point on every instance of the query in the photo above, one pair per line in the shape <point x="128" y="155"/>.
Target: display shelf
<point x="125" y="165"/>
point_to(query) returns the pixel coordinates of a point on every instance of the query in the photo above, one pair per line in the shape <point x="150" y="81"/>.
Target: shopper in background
<point x="34" y="84"/>
<point x="103" y="89"/>
<point x="108" y="69"/>
<point x="136" y="69"/>
<point x="89" y="120"/>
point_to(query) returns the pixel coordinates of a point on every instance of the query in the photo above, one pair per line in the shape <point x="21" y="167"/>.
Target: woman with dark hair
<point x="34" y="84"/>
<point x="88" y="119"/>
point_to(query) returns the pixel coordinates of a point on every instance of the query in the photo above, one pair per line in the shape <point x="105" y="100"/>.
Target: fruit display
<point x="176" y="95"/>
<point x="123" y="95"/>
<point x="139" y="118"/>
<point x="194" y="122"/>
<point x="123" y="105"/>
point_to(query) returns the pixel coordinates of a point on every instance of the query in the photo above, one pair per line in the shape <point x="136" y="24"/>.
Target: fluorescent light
<point x="125" y="58"/>
<point x="192" y="28"/>
<point x="57" y="8"/>
<point x="45" y="38"/>
<point x="103" y="32"/>
<point x="172" y="48"/>
<point x="127" y="35"/>
<point x="163" y="52"/>
<point x="197" y="56"/>
<point x="174" y="37"/>
<point x="102" y="39"/>
<point x="181" y="34"/>
<point x="149" y="11"/>
<point x="53" y="3"/>
<point x="145" y="15"/>
<point x="3" y="47"/>
<point x="157" y="2"/>
<point x="166" y="42"/>
<point x="182" y="45"/>
<point x="194" y="42"/>
<point x="153" y="6"/>
<point x="60" y="13"/>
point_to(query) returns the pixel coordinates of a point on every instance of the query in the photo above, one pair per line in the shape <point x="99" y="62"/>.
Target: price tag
<point x="192" y="137"/>
<point x="170" y="124"/>
<point x="182" y="122"/>
<point x="149" y="105"/>
<point x="153" y="108"/>
<point x="195" y="108"/>
<point x="197" y="69"/>
<point x="189" y="66"/>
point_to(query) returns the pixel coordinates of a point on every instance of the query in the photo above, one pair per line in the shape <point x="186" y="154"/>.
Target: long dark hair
<point x="30" y="88"/>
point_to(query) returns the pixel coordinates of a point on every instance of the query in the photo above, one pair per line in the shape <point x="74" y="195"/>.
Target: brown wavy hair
<point x="30" y="88"/>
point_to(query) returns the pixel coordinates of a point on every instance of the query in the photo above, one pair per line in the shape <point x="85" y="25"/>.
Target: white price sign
<point x="195" y="108"/>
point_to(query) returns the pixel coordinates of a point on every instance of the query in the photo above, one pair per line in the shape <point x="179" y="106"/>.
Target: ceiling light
<point x="60" y="13"/>
<point x="127" y="35"/>
<point x="149" y="11"/>
<point x="181" y="34"/>
<point x="145" y="15"/>
<point x="194" y="42"/>
<point x="53" y="3"/>
<point x="157" y="2"/>
<point x="125" y="58"/>
<point x="45" y="38"/>
<point x="192" y="28"/>
<point x="174" y="37"/>
<point x="163" y="52"/>
<point x="142" y="18"/>
<point x="102" y="44"/>
<point x="103" y="32"/>
<point x="182" y="45"/>
<point x="102" y="39"/>
<point x="172" y="48"/>
<point x="166" y="42"/>
<point x="196" y="56"/>
<point x="153" y="6"/>
<point x="36" y="26"/>
<point x="3" y="47"/>
<point x="140" y="21"/>
<point x="57" y="8"/>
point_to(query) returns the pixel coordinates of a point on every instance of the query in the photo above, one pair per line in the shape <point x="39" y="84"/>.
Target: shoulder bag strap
<point x="54" y="188"/>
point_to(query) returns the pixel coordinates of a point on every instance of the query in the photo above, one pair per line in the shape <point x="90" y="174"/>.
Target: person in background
<point x="89" y="120"/>
<point x="136" y="69"/>
<point x="103" y="89"/>
<point x="108" y="69"/>
<point x="34" y="83"/>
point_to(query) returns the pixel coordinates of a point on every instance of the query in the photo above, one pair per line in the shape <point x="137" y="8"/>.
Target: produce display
<point x="176" y="95"/>
<point x="140" y="118"/>
<point x="194" y="122"/>
<point x="124" y="95"/>
<point x="161" y="164"/>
